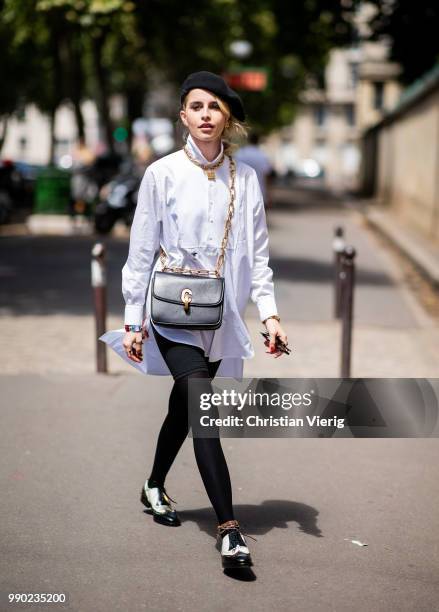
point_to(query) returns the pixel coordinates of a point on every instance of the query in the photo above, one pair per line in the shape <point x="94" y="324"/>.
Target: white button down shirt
<point x="181" y="209"/>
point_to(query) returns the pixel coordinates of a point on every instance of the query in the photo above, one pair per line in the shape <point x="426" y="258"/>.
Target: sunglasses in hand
<point x="280" y="346"/>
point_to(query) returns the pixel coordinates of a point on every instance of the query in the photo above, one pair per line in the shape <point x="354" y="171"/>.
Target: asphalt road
<point x="76" y="451"/>
<point x="77" y="446"/>
<point x="50" y="275"/>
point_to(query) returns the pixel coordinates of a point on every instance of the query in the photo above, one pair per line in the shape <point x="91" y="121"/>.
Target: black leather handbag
<point x="184" y="298"/>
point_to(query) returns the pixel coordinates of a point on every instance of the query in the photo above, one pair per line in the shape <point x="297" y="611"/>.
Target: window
<point x="350" y="114"/>
<point x="354" y="74"/>
<point x="320" y="114"/>
<point x="378" y="95"/>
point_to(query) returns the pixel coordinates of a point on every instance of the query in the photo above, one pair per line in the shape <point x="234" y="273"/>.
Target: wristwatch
<point x="272" y="317"/>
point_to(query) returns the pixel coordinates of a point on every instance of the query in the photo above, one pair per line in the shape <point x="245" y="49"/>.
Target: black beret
<point x="217" y="85"/>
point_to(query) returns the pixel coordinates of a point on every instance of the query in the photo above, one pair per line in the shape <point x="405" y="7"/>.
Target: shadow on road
<point x="261" y="519"/>
<point x="314" y="271"/>
<point x="51" y="275"/>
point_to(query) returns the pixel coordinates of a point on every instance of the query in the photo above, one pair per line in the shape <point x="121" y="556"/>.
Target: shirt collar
<point x="195" y="151"/>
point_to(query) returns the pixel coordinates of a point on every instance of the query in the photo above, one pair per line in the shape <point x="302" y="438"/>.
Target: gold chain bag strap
<point x="184" y="298"/>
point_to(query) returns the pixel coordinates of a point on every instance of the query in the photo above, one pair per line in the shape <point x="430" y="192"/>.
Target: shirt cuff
<point x="266" y="305"/>
<point x="134" y="314"/>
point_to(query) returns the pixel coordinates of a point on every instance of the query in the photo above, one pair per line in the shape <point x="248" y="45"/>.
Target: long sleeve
<point x="144" y="243"/>
<point x="262" y="288"/>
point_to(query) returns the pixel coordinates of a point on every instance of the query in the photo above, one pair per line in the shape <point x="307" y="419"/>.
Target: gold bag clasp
<point x="186" y="298"/>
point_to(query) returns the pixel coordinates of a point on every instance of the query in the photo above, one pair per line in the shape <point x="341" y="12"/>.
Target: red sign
<point x="249" y="80"/>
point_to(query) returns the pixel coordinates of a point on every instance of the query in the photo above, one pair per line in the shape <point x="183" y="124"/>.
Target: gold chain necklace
<point x="208" y="170"/>
<point x="227" y="228"/>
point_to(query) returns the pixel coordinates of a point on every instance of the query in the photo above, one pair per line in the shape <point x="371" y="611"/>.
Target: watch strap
<point x="133" y="328"/>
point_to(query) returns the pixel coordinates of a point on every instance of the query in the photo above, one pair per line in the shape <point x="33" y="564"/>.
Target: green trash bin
<point x="52" y="191"/>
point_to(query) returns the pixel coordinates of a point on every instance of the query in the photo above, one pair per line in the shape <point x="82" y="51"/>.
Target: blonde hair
<point x="235" y="132"/>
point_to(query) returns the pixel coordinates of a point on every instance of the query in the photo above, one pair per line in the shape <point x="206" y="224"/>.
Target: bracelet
<point x="133" y="328"/>
<point x="272" y="317"/>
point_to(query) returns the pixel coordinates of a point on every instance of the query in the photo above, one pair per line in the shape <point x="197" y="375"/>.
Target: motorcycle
<point x="117" y="200"/>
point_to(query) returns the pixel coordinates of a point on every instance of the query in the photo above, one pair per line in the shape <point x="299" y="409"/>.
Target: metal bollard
<point x="347" y="308"/>
<point x="338" y="246"/>
<point x="99" y="284"/>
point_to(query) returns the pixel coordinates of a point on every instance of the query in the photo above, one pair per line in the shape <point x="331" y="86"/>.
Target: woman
<point x="182" y="206"/>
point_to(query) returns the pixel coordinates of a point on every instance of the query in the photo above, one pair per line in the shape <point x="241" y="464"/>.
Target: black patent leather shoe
<point x="157" y="501"/>
<point x="234" y="551"/>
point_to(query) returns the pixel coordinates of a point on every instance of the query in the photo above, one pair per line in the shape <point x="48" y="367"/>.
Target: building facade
<point x="325" y="138"/>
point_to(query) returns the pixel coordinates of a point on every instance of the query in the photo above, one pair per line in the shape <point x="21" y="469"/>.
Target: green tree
<point x="291" y="40"/>
<point x="71" y="48"/>
<point x="41" y="41"/>
<point x="92" y="48"/>
<point x="413" y="30"/>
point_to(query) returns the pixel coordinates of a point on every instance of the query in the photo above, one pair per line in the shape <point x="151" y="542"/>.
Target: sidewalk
<point x="424" y="254"/>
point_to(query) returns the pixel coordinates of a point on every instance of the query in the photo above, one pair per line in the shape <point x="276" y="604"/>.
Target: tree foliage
<point x="413" y="30"/>
<point x="61" y="50"/>
<point x="290" y="40"/>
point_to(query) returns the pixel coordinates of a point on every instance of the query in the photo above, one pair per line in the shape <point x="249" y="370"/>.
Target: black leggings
<point x="185" y="361"/>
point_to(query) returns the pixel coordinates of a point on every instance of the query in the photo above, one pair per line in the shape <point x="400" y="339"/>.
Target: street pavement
<point x="77" y="445"/>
